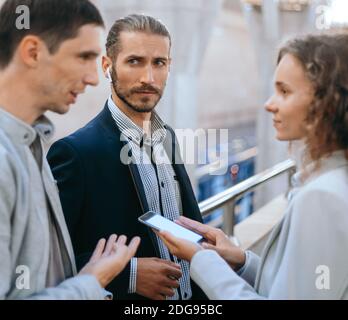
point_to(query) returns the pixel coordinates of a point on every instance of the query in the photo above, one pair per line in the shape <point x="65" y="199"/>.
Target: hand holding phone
<point x="160" y="223"/>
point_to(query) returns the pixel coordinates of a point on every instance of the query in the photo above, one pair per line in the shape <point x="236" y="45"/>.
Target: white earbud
<point x="108" y="74"/>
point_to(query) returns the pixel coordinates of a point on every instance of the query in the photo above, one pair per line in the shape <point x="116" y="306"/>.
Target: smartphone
<point x="158" y="222"/>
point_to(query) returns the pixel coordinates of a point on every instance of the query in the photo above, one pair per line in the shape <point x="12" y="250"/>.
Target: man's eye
<point x="133" y="61"/>
<point x="160" y="63"/>
<point x="87" y="57"/>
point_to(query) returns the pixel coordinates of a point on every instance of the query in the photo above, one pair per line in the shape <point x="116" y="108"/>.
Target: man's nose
<point x="147" y="76"/>
<point x="92" y="78"/>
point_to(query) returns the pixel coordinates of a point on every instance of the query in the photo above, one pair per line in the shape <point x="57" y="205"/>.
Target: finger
<point x="172" y="264"/>
<point x="171" y="283"/>
<point x="167" y="292"/>
<point x="165" y="240"/>
<point x="168" y="237"/>
<point x="170" y="245"/>
<point x="109" y="245"/>
<point x="98" y="250"/>
<point x="159" y="297"/>
<point x="133" y="247"/>
<point x="173" y="272"/>
<point x="193" y="225"/>
<point x="206" y="245"/>
<point x="121" y="240"/>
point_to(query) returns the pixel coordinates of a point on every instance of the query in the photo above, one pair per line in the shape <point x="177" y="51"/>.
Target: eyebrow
<point x="90" y="53"/>
<point x="280" y="83"/>
<point x="134" y="56"/>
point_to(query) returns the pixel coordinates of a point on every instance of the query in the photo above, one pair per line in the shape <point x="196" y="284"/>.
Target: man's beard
<point x="124" y="96"/>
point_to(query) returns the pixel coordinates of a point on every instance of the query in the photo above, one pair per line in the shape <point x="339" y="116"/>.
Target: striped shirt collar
<point x="133" y="132"/>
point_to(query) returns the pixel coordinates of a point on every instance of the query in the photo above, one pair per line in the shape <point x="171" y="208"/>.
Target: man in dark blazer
<point x="103" y="182"/>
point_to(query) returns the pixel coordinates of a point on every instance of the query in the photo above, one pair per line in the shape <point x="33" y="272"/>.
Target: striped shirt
<point x="159" y="181"/>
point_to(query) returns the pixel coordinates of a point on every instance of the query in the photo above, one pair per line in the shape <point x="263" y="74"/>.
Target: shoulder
<point x="330" y="185"/>
<point x="322" y="203"/>
<point x="84" y="140"/>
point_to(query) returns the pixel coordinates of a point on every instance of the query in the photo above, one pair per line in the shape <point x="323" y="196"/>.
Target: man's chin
<point x="62" y="109"/>
<point x="143" y="108"/>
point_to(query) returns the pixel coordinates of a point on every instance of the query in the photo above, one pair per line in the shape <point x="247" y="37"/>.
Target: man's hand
<point x="157" y="278"/>
<point x="216" y="240"/>
<point x="110" y="258"/>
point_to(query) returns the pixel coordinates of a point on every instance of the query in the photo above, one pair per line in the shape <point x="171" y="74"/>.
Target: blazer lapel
<point x="55" y="207"/>
<point x="116" y="143"/>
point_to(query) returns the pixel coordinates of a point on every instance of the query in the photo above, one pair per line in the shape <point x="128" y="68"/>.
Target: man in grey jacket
<point x="48" y="56"/>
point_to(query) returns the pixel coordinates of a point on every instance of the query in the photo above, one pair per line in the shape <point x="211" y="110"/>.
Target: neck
<point x="17" y="98"/>
<point x="141" y="119"/>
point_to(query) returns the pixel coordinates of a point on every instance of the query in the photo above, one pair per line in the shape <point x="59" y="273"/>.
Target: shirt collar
<point x="336" y="160"/>
<point x="133" y="132"/>
<point x="21" y="132"/>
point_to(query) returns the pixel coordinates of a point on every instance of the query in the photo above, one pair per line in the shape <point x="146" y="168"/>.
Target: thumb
<point x="207" y="245"/>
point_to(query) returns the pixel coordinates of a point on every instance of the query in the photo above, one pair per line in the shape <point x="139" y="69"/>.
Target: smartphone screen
<point x="158" y="222"/>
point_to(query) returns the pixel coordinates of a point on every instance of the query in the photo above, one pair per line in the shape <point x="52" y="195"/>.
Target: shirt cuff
<point x="133" y="276"/>
<point x="107" y="295"/>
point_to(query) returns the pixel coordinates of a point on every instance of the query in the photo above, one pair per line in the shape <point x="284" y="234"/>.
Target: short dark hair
<point x="133" y="23"/>
<point x="54" y="21"/>
<point x="324" y="61"/>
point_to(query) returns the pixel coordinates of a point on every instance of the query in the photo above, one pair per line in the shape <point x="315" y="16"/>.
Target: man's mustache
<point x="147" y="88"/>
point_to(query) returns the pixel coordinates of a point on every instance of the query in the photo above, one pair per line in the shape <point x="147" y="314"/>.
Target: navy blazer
<point x="101" y="196"/>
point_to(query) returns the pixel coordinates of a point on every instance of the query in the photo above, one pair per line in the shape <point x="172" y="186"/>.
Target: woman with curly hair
<point x="306" y="255"/>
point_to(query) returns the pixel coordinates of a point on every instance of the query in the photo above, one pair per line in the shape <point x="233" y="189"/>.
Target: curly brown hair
<point x="324" y="59"/>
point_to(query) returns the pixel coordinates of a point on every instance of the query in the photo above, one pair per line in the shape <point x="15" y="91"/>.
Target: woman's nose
<point x="270" y="105"/>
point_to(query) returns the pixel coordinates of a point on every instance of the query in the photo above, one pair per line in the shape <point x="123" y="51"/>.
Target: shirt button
<point x="162" y="184"/>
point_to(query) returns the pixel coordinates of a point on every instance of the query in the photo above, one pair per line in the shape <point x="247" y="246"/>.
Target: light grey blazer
<point x="306" y="255"/>
<point x="24" y="231"/>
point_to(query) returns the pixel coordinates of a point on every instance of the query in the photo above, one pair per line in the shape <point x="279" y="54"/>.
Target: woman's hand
<point x="216" y="240"/>
<point x="179" y="247"/>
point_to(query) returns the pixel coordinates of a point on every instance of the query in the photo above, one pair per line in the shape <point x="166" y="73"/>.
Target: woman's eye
<point x="283" y="91"/>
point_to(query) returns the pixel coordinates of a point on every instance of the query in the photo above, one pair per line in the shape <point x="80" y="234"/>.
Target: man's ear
<point x="106" y="63"/>
<point x="30" y="50"/>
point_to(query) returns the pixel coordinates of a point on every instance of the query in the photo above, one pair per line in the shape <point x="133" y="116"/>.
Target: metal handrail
<point x="228" y="198"/>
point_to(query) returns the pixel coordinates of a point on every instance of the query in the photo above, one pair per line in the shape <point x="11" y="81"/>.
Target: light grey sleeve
<point x="249" y="270"/>
<point x="79" y="287"/>
<point x="7" y="203"/>
<point x="218" y="280"/>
